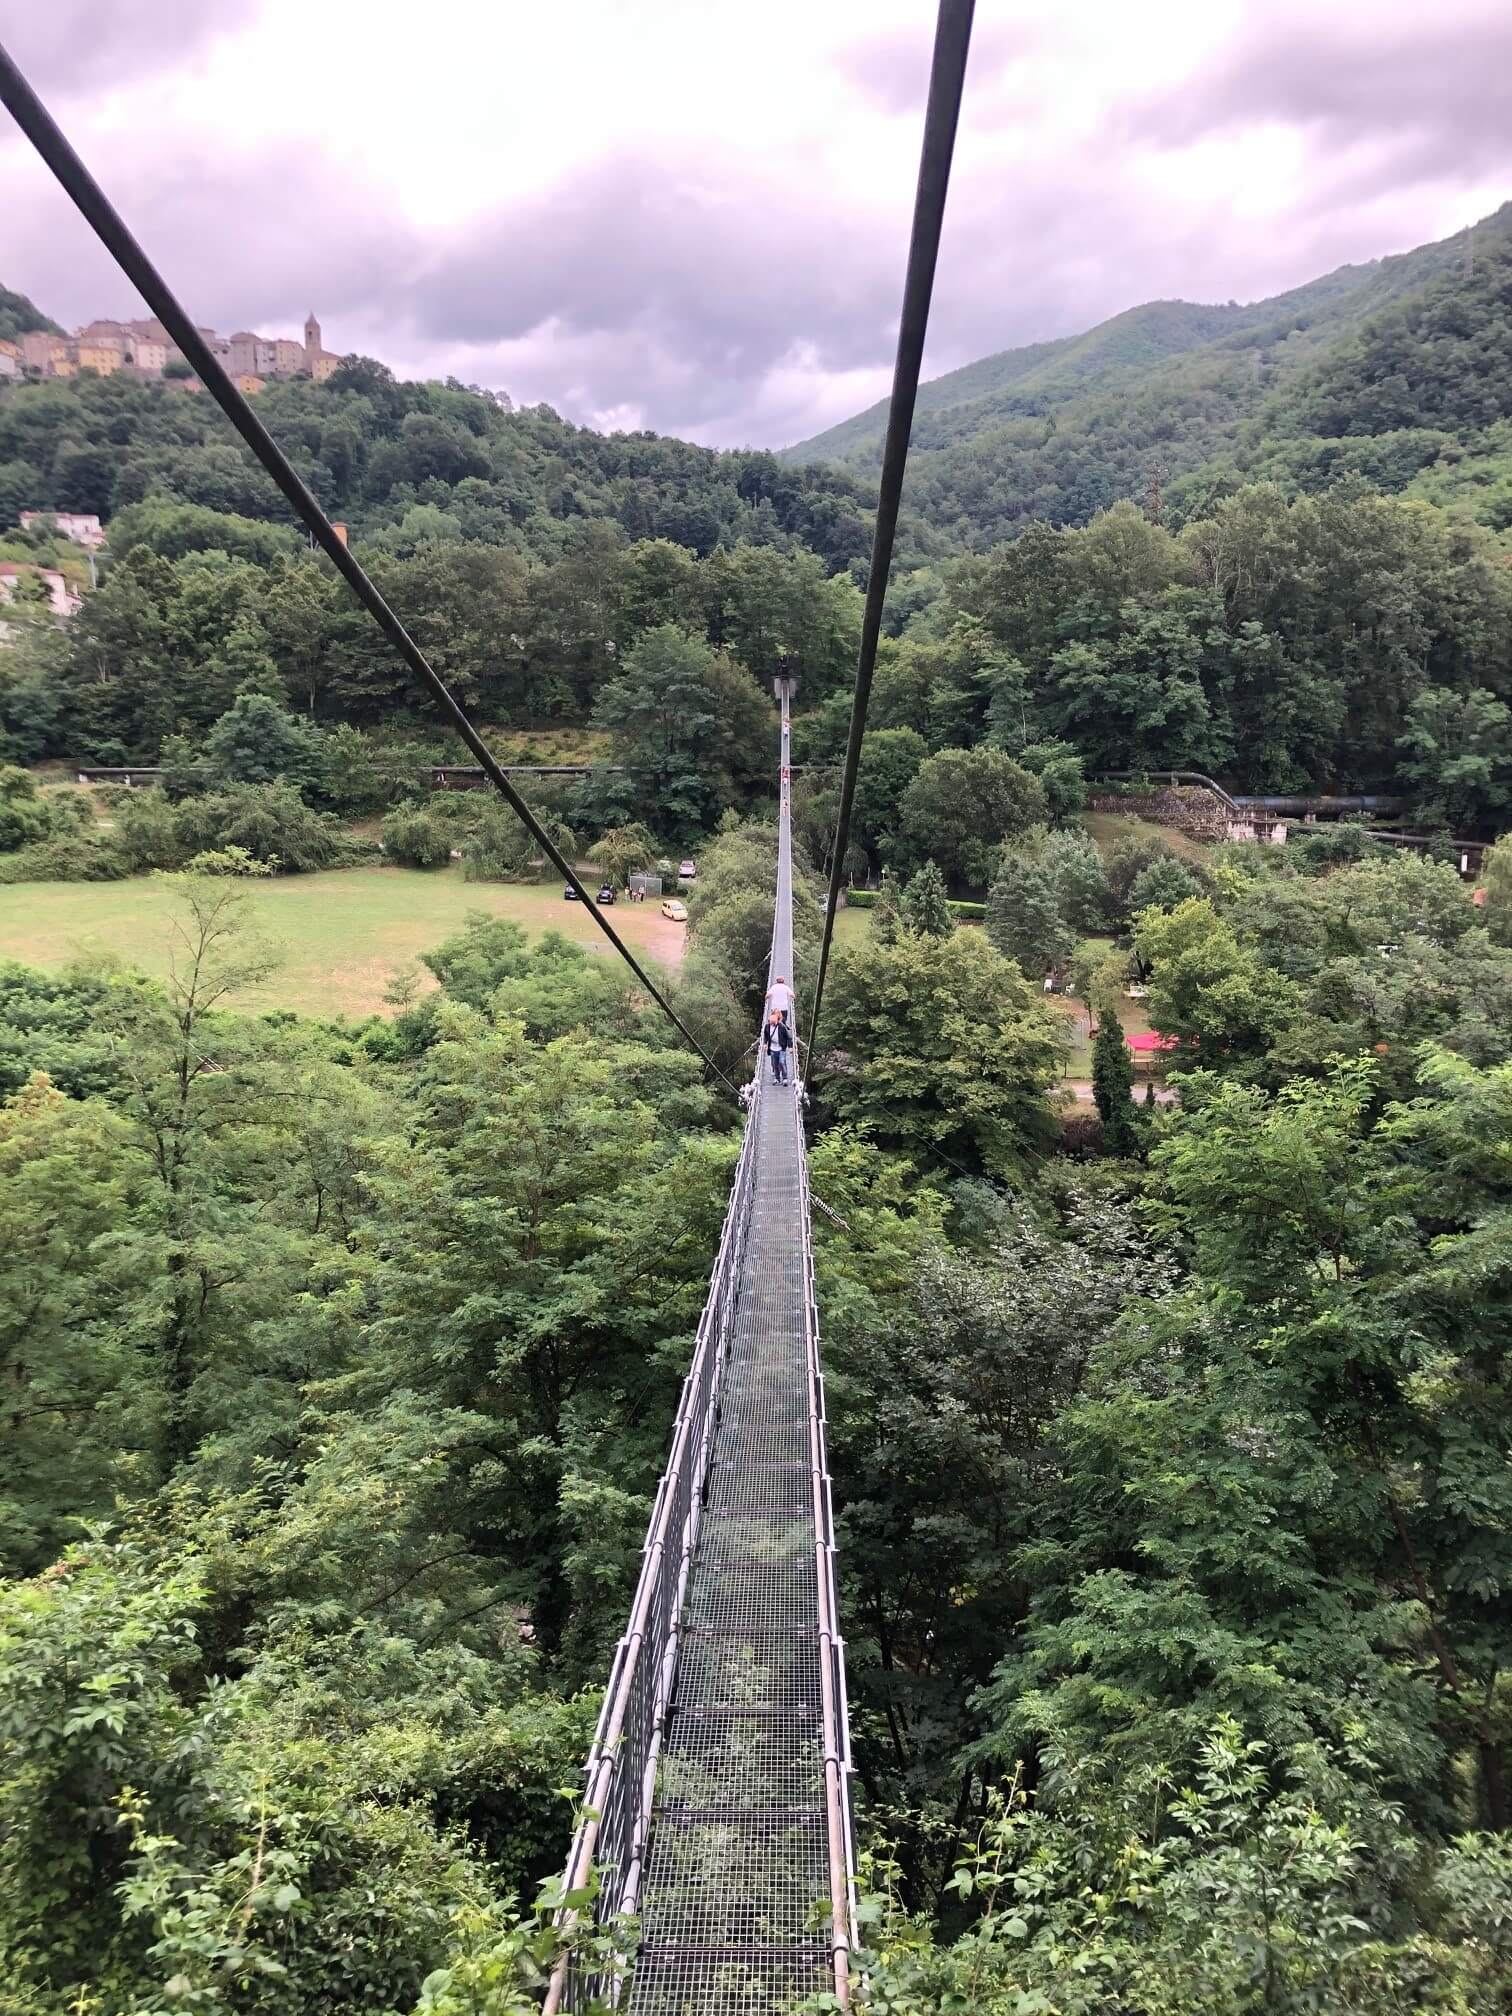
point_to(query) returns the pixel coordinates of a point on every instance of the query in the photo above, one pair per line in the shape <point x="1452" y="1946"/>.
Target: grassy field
<point x="341" y="936"/>
<point x="1108" y="827"/>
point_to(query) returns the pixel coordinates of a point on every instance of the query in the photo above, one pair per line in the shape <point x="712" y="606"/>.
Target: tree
<point x="924" y="906"/>
<point x="1113" y="1086"/>
<point x="913" y="1024"/>
<point x="890" y="760"/>
<point x="959" y="809"/>
<point x="1496" y="880"/>
<point x="1457" y="753"/>
<point x="499" y="846"/>
<point x="1207" y="989"/>
<point x="1162" y="885"/>
<point x="1082" y="895"/>
<point x="67" y="1183"/>
<point x="690" y="729"/>
<point x="256" y="742"/>
<point x="1024" y="918"/>
<point x="620" y="850"/>
<point x="1130" y="855"/>
<point x="1058" y="766"/>
<point x="886" y="911"/>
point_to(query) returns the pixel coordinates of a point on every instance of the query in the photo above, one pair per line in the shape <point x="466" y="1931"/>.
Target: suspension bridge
<point x="717" y="1803"/>
<point x="717" y="1793"/>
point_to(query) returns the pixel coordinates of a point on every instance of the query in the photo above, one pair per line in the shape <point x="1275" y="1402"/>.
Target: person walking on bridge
<point x="780" y="998"/>
<point x="779" y="1040"/>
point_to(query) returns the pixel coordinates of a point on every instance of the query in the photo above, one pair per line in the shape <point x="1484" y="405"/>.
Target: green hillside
<point x="18" y="315"/>
<point x="1172" y="390"/>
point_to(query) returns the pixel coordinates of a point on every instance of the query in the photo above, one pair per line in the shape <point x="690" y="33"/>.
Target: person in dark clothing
<point x="779" y="1040"/>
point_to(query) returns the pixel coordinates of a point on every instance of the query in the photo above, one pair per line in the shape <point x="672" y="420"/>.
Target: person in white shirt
<point x="780" y="998"/>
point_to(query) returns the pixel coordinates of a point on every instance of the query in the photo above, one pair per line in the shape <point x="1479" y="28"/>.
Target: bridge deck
<point x="739" y="1859"/>
<point x="718" y="1787"/>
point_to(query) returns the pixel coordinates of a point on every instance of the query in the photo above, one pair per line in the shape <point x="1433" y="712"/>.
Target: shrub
<point x="28" y="816"/>
<point x="271" y="821"/>
<point x="146" y="831"/>
<point x="415" y="837"/>
<point x="72" y="857"/>
<point x="229" y="861"/>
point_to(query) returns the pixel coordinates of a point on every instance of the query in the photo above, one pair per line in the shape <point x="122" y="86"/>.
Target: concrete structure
<point x="241" y="352"/>
<point x="61" y="599"/>
<point x="103" y="357"/>
<point x="247" y="382"/>
<point x="318" y="361"/>
<point x="83" y="527"/>
<point x="145" y="347"/>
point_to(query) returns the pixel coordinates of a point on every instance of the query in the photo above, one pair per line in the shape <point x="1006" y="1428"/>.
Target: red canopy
<point x="1144" y="1042"/>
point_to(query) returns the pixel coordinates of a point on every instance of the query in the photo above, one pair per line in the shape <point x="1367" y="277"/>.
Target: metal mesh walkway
<point x="720" y="1775"/>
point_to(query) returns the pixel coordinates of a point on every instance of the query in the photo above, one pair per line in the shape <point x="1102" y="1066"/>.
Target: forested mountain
<point x="1354" y="373"/>
<point x="339" y="1355"/>
<point x="376" y="452"/>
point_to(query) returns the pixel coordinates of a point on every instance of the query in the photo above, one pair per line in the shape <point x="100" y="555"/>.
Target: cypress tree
<point x="1113" y="1086"/>
<point x="925" y="904"/>
<point x="884" y="918"/>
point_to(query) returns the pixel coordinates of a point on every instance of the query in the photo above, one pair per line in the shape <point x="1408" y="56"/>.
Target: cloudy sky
<point x="692" y="214"/>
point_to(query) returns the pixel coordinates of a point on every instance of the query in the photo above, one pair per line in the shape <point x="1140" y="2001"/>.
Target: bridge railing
<point x="621" y="1768"/>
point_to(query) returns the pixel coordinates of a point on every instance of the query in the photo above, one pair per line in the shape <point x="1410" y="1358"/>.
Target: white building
<point x="60" y="597"/>
<point x="84" y="528"/>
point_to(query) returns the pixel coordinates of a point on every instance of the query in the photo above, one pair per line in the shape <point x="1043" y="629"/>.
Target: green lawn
<point x="851" y="925"/>
<point x="340" y="935"/>
<point x="1107" y="828"/>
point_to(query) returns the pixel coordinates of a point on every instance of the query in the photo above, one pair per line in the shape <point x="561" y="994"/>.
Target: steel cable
<point x="947" y="79"/>
<point x="37" y="123"/>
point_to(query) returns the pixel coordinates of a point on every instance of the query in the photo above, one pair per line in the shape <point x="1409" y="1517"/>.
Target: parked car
<point x="605" y="894"/>
<point x="569" y="894"/>
<point x="677" y="911"/>
<point x="687" y="870"/>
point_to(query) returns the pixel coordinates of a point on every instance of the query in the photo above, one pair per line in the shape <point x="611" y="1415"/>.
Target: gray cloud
<point x="68" y="47"/>
<point x="727" y="295"/>
<point x="245" y="240"/>
<point x="1434" y="92"/>
<point x="692" y="261"/>
<point x="892" y="69"/>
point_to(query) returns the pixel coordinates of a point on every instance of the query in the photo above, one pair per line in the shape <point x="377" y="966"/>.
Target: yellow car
<point x="678" y="912"/>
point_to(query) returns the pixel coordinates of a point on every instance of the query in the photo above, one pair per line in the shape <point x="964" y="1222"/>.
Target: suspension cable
<point x="947" y="79"/>
<point x="37" y="123"/>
